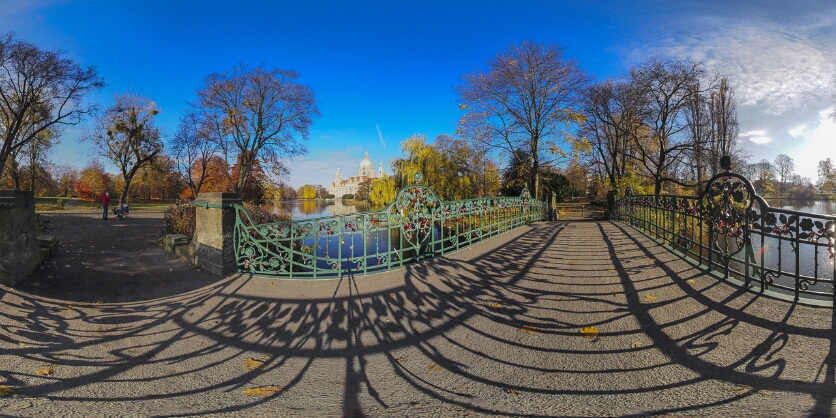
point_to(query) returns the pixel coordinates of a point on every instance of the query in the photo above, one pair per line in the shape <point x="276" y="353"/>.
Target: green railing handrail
<point x="731" y="230"/>
<point x="416" y="225"/>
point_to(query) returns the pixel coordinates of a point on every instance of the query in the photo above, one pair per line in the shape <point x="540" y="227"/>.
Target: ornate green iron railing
<point x="733" y="231"/>
<point x="416" y="225"/>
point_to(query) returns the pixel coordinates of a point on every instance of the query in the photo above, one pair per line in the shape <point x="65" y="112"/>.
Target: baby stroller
<point x="121" y="211"/>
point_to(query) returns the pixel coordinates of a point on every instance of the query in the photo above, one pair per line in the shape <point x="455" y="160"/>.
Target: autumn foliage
<point x="93" y="182"/>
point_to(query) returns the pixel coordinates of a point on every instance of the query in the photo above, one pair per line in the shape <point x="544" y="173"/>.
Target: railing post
<point x="611" y="204"/>
<point x="213" y="242"/>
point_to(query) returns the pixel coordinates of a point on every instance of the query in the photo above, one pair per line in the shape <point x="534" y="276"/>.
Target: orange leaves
<point x="262" y="391"/>
<point x="528" y="329"/>
<point x="253" y="364"/>
<point x="434" y="367"/>
<point x="649" y="298"/>
<point x="590" y="332"/>
<point x="46" y="370"/>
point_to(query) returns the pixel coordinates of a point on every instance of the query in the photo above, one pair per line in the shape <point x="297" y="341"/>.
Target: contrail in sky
<point x="381" y="136"/>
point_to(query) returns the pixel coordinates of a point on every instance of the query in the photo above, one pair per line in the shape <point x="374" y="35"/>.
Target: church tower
<point x="380" y="171"/>
<point x="366" y="167"/>
<point x="338" y="178"/>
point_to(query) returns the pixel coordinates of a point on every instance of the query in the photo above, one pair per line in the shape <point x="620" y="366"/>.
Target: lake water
<point x="825" y="207"/>
<point x="307" y="209"/>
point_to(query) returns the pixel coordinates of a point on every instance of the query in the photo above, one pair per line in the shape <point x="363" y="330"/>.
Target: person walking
<point x="105" y="203"/>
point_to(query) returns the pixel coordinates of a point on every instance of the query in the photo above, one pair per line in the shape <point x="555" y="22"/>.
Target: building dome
<point x="366" y="167"/>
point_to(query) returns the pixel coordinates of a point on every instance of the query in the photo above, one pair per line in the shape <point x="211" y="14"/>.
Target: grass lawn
<point x="53" y="203"/>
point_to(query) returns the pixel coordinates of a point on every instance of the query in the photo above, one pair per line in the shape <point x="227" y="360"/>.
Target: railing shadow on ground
<point x="460" y="332"/>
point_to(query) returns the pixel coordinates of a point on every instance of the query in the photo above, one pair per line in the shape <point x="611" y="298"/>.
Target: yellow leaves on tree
<point x="383" y="190"/>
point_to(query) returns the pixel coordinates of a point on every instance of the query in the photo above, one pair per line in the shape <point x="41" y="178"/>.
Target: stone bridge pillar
<point x="212" y="244"/>
<point x="20" y="253"/>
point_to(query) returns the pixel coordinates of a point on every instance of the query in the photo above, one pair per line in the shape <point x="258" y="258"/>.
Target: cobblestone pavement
<point x="490" y="331"/>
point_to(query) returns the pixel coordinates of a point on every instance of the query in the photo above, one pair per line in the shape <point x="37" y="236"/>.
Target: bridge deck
<point x="493" y="330"/>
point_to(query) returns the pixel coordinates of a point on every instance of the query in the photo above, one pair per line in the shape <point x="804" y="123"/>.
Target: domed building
<point x="340" y="187"/>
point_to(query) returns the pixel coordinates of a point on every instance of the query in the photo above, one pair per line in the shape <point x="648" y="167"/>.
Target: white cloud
<point x="797" y="131"/>
<point x="814" y="145"/>
<point x="754" y="133"/>
<point x="760" y="140"/>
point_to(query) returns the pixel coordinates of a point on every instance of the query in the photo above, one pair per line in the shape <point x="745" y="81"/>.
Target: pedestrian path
<point x="586" y="318"/>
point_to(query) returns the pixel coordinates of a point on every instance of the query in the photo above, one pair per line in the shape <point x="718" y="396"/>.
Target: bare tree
<point x="712" y="122"/>
<point x="667" y="87"/>
<point x="125" y="134"/>
<point x="784" y="168"/>
<point x="39" y="91"/>
<point x="613" y="126"/>
<point x="193" y="149"/>
<point x="722" y="119"/>
<point x="526" y="100"/>
<point x="254" y="114"/>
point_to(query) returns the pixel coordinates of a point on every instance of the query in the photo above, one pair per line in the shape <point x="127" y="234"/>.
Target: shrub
<point x="348" y="196"/>
<point x="803" y="193"/>
<point x="49" y="204"/>
<point x="261" y="215"/>
<point x="180" y="218"/>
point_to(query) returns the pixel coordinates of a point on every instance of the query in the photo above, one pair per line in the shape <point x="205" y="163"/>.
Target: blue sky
<point x="392" y="64"/>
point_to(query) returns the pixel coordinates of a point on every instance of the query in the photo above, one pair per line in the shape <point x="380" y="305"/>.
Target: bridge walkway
<point x="494" y="330"/>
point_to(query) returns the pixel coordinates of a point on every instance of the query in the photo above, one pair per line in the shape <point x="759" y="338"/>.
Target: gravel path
<point x="490" y="331"/>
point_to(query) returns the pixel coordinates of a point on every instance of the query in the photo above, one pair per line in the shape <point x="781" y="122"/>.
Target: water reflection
<point x="827" y="207"/>
<point x="306" y="209"/>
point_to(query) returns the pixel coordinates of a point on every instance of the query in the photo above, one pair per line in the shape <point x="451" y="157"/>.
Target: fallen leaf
<point x="265" y="358"/>
<point x="512" y="391"/>
<point x="401" y="360"/>
<point x="434" y="367"/>
<point x="528" y="329"/>
<point x="253" y="364"/>
<point x="590" y="332"/>
<point x="690" y="281"/>
<point x="217" y="314"/>
<point x="70" y="307"/>
<point x="649" y="298"/>
<point x="262" y="391"/>
<point x="6" y="391"/>
<point x="611" y="270"/>
<point x="615" y="293"/>
<point x="494" y="305"/>
<point x="637" y="345"/>
<point x="45" y="371"/>
<point x="739" y="388"/>
<point x="98" y="302"/>
<point x="572" y="263"/>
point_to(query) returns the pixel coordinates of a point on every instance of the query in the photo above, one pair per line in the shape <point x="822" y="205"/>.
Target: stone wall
<point x="20" y="253"/>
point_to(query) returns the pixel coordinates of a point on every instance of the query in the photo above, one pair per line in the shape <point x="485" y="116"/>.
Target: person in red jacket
<point x="105" y="203"/>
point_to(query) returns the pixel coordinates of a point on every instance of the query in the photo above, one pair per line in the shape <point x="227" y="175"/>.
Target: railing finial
<point x="725" y="163"/>
<point x="417" y="177"/>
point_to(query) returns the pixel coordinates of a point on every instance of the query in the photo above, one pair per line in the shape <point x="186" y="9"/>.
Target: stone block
<point x="20" y="253"/>
<point x="174" y="240"/>
<point x="50" y="243"/>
